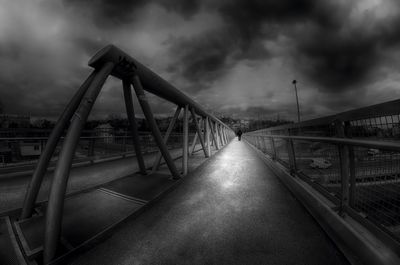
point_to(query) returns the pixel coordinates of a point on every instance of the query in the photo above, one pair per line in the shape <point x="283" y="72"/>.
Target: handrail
<point x="393" y="146"/>
<point x="377" y="110"/>
<point x="358" y="181"/>
<point x="82" y="137"/>
<point x="152" y="82"/>
<point x="113" y="61"/>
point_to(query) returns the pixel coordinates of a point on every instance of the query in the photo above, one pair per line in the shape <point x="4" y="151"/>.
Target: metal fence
<point x="22" y="153"/>
<point x="111" y="61"/>
<point x="352" y="158"/>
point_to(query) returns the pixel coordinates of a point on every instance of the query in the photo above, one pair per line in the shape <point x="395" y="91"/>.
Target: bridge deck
<point x="231" y="210"/>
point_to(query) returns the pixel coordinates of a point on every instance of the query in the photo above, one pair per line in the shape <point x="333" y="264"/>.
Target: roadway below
<point x="230" y="210"/>
<point x="12" y="189"/>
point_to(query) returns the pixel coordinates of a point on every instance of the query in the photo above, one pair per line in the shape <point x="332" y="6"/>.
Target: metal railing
<point x="22" y="153"/>
<point x="112" y="61"/>
<point x="351" y="158"/>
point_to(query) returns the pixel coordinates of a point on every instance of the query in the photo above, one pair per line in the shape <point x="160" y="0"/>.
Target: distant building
<point x="396" y="130"/>
<point x="30" y="148"/>
<point x="240" y="124"/>
<point x="5" y="153"/>
<point x="14" y="121"/>
<point x="106" y="131"/>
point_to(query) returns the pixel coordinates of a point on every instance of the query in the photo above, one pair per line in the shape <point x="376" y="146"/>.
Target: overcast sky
<point x="237" y="57"/>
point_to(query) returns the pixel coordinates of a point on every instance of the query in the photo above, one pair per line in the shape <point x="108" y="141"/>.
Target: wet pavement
<point x="230" y="210"/>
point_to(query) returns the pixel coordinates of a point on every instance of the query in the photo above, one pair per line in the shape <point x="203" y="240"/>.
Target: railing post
<point x="185" y="150"/>
<point x="221" y="135"/>
<point x="157" y="161"/>
<point x="291" y="155"/>
<point x="137" y="85"/>
<point x="199" y="134"/>
<point x="207" y="132"/>
<point x="213" y="135"/>
<point x="124" y="143"/>
<point x="193" y="144"/>
<point x="263" y="144"/>
<point x="130" y="111"/>
<point x="274" y="156"/>
<point x="225" y="137"/>
<point x="260" y="143"/>
<point x="91" y="146"/>
<point x="344" y="168"/>
<point x="352" y="164"/>
<point x="218" y="139"/>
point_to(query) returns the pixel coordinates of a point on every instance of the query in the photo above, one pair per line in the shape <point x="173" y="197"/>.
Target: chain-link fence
<point x="357" y="152"/>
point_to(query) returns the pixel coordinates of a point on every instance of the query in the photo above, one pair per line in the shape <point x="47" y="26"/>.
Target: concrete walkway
<point x="231" y="210"/>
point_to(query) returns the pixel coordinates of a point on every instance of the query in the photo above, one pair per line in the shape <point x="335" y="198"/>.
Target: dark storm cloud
<point x="250" y="112"/>
<point x="328" y="48"/>
<point x="201" y="59"/>
<point x="110" y="14"/>
<point x="107" y="13"/>
<point x="204" y="58"/>
<point x="207" y="48"/>
<point x="186" y="8"/>
<point x="88" y="45"/>
<point x="341" y="56"/>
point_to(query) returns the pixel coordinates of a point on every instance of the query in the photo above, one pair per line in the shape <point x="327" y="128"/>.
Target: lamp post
<point x="294" y="82"/>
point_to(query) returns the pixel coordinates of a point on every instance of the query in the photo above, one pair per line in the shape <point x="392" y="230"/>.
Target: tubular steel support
<point x="217" y="135"/>
<point x="226" y="136"/>
<point x="199" y="134"/>
<point x="352" y="164"/>
<point x="264" y="146"/>
<point x="157" y="161"/>
<point x="344" y="169"/>
<point x="41" y="167"/>
<point x="213" y="135"/>
<point x="130" y="111"/>
<point x="185" y="150"/>
<point x="221" y="135"/>
<point x="292" y="156"/>
<point x="153" y="125"/>
<point x="207" y="132"/>
<point x="193" y="144"/>
<point x="274" y="156"/>
<point x="59" y="183"/>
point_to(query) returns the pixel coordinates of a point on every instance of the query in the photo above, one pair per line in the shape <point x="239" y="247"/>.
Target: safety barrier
<point x="112" y="61"/>
<point x="352" y="158"/>
<point x="20" y="153"/>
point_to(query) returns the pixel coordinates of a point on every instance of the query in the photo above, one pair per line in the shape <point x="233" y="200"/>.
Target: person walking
<point x="239" y="134"/>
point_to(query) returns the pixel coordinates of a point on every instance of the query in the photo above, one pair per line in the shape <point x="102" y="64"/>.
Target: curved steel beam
<point x="41" y="167"/>
<point x="130" y="112"/>
<point x="153" y="83"/>
<point x="55" y="205"/>
<point x="141" y="96"/>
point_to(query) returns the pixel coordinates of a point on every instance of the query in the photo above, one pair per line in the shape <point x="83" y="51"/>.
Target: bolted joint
<point x="125" y="65"/>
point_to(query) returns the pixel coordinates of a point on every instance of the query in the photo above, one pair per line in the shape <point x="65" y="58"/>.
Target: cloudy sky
<point x="236" y="57"/>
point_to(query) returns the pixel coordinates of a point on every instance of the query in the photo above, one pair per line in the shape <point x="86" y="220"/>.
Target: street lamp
<point x="294" y="82"/>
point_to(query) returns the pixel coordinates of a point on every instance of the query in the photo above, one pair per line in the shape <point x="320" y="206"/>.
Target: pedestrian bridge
<point x="305" y="193"/>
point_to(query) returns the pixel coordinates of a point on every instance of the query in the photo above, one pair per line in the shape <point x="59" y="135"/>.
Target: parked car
<point x="372" y="152"/>
<point x="320" y="163"/>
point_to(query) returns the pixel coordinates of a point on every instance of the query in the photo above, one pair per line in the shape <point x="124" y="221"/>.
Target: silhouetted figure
<point x="239" y="134"/>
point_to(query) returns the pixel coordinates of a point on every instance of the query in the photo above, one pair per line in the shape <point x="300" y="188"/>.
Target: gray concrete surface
<point x="231" y="210"/>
